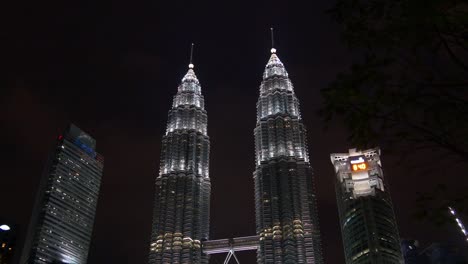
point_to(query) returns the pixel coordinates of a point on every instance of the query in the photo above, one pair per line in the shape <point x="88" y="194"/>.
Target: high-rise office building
<point x="286" y="211"/>
<point x="182" y="202"/>
<point x="63" y="215"/>
<point x="368" y="224"/>
<point x="8" y="236"/>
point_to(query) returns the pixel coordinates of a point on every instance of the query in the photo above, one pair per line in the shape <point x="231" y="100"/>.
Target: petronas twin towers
<point x="286" y="213"/>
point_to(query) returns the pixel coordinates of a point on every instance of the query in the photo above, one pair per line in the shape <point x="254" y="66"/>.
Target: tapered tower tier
<point x="182" y="201"/>
<point x="286" y="211"/>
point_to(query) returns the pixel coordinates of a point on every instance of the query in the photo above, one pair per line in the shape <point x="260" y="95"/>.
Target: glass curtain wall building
<point x="368" y="225"/>
<point x="63" y="216"/>
<point x="181" y="207"/>
<point x="286" y="211"/>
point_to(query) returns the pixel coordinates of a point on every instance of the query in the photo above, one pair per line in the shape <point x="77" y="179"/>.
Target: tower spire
<point x="273" y="50"/>
<point x="191" y="57"/>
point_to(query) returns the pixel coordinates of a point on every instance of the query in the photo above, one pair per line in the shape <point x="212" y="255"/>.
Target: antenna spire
<point x="191" y="57"/>
<point x="273" y="50"/>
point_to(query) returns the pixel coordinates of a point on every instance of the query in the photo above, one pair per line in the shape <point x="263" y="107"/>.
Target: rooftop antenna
<point x="273" y="50"/>
<point x="191" y="57"/>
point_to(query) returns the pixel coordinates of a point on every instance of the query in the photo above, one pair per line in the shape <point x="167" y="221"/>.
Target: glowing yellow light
<point x="359" y="166"/>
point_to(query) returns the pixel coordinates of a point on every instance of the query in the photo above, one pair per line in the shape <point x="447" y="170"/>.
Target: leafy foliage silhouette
<point x="408" y="89"/>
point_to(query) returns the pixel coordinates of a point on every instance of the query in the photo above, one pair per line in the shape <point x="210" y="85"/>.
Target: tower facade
<point x="368" y="224"/>
<point x="286" y="211"/>
<point x="63" y="216"/>
<point x="181" y="207"/>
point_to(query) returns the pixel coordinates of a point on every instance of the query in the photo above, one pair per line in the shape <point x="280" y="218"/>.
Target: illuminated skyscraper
<point x="63" y="216"/>
<point x="182" y="201"/>
<point x="368" y="224"/>
<point x="286" y="211"/>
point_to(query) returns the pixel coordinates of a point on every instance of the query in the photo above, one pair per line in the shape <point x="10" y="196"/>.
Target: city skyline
<point x="113" y="73"/>
<point x="178" y="121"/>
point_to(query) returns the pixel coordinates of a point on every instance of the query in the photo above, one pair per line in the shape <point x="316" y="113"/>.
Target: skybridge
<point x="230" y="246"/>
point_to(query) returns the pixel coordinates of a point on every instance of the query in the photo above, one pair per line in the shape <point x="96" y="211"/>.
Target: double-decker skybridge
<point x="230" y="246"/>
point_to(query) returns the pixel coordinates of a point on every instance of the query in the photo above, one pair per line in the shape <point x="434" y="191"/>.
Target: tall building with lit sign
<point x="286" y="211"/>
<point x="368" y="225"/>
<point x="63" y="215"/>
<point x="181" y="205"/>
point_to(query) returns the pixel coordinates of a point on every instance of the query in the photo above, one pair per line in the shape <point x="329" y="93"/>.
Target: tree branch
<point x="450" y="52"/>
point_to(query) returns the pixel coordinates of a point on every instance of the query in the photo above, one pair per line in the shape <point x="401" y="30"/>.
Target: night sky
<point x="112" y="69"/>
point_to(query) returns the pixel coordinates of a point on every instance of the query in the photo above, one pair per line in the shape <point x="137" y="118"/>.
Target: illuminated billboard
<point x="358" y="164"/>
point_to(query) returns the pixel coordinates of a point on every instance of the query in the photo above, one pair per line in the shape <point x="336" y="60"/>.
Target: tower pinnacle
<point x="191" y="57"/>
<point x="273" y="50"/>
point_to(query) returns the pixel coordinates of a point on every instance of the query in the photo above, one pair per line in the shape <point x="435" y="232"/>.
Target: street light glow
<point x="4" y="227"/>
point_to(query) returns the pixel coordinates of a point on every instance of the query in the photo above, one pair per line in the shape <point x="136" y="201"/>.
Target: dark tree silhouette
<point x="408" y="89"/>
